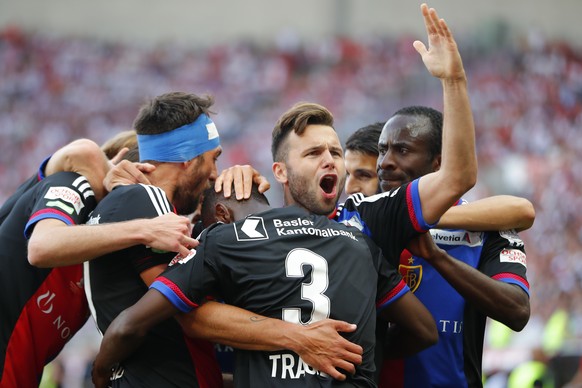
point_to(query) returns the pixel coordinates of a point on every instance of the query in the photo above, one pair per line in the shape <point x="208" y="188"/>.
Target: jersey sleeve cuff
<point x="44" y="214"/>
<point x="511" y="278"/>
<point x="394" y="294"/>
<point x="415" y="208"/>
<point x="173" y="294"/>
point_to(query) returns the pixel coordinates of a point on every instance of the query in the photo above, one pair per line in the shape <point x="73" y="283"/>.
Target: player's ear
<point x="280" y="172"/>
<point x="222" y="213"/>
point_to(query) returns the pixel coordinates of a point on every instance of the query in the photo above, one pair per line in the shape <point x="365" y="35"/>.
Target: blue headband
<point x="181" y="144"/>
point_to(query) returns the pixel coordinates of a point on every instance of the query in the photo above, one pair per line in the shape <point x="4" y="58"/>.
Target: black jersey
<point x="23" y="188"/>
<point x="391" y="219"/>
<point x="291" y="265"/>
<point x="167" y="357"/>
<point x="41" y="308"/>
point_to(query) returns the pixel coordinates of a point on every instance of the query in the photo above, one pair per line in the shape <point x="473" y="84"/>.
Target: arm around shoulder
<point x="500" y="212"/>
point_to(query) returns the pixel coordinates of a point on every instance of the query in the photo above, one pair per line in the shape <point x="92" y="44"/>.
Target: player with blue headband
<point x="181" y="144"/>
<point x="176" y="134"/>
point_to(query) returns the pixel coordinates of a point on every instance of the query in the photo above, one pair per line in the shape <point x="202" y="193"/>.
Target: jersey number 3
<point x="312" y="291"/>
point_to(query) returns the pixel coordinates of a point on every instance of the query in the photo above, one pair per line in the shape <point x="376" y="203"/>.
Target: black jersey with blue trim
<point x="291" y="265"/>
<point x="41" y="308"/>
<point x="391" y="219"/>
<point x="113" y="283"/>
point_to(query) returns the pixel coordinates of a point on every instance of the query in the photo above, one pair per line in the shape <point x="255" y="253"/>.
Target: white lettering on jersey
<point x="447" y="326"/>
<point x="513" y="256"/>
<point x="45" y="304"/>
<point x="94" y="220"/>
<point x="326" y="232"/>
<point x="295" y="222"/>
<point x="285" y="366"/>
<point x="67" y="195"/>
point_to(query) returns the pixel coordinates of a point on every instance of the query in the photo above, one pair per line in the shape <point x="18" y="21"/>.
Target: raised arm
<point x="500" y="212"/>
<point x="458" y="172"/>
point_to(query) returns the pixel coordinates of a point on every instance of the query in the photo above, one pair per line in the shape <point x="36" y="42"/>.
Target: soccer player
<point x="484" y="276"/>
<point x="42" y="308"/>
<point x="175" y="133"/>
<point x="361" y="157"/>
<point x="499" y="212"/>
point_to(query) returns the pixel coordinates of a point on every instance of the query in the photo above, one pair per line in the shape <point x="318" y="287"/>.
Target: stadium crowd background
<point x="526" y="92"/>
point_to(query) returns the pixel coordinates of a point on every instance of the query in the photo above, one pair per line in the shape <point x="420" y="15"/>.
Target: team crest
<point x="411" y="274"/>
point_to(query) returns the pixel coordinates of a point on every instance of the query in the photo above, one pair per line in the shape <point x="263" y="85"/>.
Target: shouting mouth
<point x="328" y="184"/>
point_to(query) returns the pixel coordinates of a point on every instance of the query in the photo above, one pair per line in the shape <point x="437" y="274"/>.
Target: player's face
<point x="201" y="173"/>
<point x="315" y="169"/>
<point x="361" y="173"/>
<point x="404" y="151"/>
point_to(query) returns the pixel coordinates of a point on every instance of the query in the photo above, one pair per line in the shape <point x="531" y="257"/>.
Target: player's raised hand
<point x="171" y="233"/>
<point x="243" y="178"/>
<point x="322" y="347"/>
<point x="442" y="58"/>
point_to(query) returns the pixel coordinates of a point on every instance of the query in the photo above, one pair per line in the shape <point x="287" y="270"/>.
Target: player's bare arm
<point x="506" y="303"/>
<point x="458" y="172"/>
<point x="84" y="157"/>
<point x="412" y="327"/>
<point x="500" y="212"/>
<point x="127" y="331"/>
<point x="319" y="344"/>
<point x="55" y="244"/>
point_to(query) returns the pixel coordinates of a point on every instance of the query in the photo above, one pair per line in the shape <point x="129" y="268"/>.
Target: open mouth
<point x="328" y="185"/>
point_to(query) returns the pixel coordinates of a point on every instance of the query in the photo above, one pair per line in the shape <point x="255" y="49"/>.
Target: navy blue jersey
<point x="455" y="361"/>
<point x="291" y="265"/>
<point x="41" y="308"/>
<point x="167" y="357"/>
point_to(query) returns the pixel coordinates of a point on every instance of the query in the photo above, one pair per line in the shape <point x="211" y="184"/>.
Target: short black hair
<point x="365" y="139"/>
<point x="211" y="198"/>
<point x="435" y="134"/>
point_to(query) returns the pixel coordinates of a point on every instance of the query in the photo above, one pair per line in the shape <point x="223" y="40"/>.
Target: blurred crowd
<point x="526" y="95"/>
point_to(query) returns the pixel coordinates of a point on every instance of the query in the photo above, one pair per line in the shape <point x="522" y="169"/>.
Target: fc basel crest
<point x="411" y="274"/>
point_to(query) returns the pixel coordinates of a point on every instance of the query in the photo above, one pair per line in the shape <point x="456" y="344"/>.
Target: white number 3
<point x="312" y="291"/>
